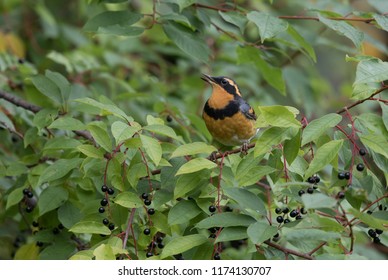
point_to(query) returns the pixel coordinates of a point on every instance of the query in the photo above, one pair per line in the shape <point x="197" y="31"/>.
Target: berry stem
<point x="148" y="169"/>
<point x="130" y="228"/>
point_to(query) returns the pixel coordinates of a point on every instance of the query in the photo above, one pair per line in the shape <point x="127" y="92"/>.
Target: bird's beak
<point x="208" y="79"/>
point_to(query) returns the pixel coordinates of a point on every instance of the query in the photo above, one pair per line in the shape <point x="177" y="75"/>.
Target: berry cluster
<point x="314" y="180"/>
<point x="156" y="242"/>
<point x="28" y="200"/>
<point x="360" y="167"/>
<point x="375" y="233"/>
<point x="104" y="202"/>
<point x="287" y="214"/>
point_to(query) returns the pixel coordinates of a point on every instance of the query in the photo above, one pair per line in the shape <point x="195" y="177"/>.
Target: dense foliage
<point x="104" y="154"/>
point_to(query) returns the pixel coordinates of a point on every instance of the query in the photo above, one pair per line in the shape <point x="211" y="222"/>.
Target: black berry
<point x="278" y="210"/>
<point x="25" y="191"/>
<point x="293" y="213"/>
<point x="286" y="221"/>
<point x="276" y="235"/>
<point x="30" y="194"/>
<point x="29" y="209"/>
<point x="39" y="243"/>
<point x="362" y="152"/>
<point x="149" y="254"/>
<point x="212" y="208"/>
<point x="279" y="219"/>
<point x="111" y="226"/>
<point x="301" y="192"/>
<point x="303" y="211"/>
<point x="212" y="235"/>
<point x="35" y="224"/>
<point x="104" y="202"/>
<point x="360" y="167"/>
<point x="372" y="233"/>
<point x="376" y="240"/>
<point x="228" y="209"/>
<point x="111" y="191"/>
<point x="160" y="245"/>
<point x="298" y="217"/>
<point x="147" y="202"/>
<point x="147" y="231"/>
<point x="341" y="175"/>
<point x="159" y="239"/>
<point x="341" y="195"/>
<point x="104" y="188"/>
<point x="151" y="211"/>
<point x="347" y="175"/>
<point x="169" y="118"/>
<point x="317" y="179"/>
<point x="311" y="180"/>
<point x="379" y="231"/>
<point x="369" y="212"/>
<point x="212" y="230"/>
<point x="179" y="257"/>
<point x="105" y="221"/>
<point x="144" y="195"/>
<point x="101" y="209"/>
<point x="310" y="190"/>
<point x="55" y="230"/>
<point x="60" y="226"/>
<point x="286" y="210"/>
<point x="217" y="256"/>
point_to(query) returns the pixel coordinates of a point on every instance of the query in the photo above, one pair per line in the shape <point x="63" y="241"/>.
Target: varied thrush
<point x="228" y="117"/>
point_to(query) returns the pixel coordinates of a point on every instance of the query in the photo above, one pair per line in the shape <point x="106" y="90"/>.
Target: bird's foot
<point x="244" y="149"/>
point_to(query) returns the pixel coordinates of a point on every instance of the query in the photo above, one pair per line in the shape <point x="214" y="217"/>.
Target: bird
<point x="228" y="117"/>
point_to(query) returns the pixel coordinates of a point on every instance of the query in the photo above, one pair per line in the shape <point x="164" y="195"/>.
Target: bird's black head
<point x="225" y="83"/>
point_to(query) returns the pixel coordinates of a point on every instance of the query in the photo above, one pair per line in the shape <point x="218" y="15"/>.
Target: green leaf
<point x="302" y="42"/>
<point x="317" y="127"/>
<point x="273" y="75"/>
<point x="59" y="169"/>
<point x="379" y="5"/>
<point x="90" y="227"/>
<point x="190" y="43"/>
<point x="384" y="110"/>
<point x="323" y="156"/>
<point x="246" y="199"/>
<point x="232" y="233"/>
<point x="292" y="148"/>
<point x="279" y="116"/>
<point x="61" y="143"/>
<point x="311" y="234"/>
<point x="371" y="71"/>
<point x="376" y="142"/>
<point x="269" y="26"/>
<point x="226" y="219"/>
<point x="181" y="244"/>
<point x="183" y="212"/>
<point x="362" y="91"/>
<point x="260" y="232"/>
<point x="47" y="87"/>
<point x="234" y="18"/>
<point x="345" y="29"/>
<point x="317" y="201"/>
<point x="196" y="164"/>
<point x="14" y="197"/>
<point x="188" y="182"/>
<point x="273" y="136"/>
<point x="61" y="82"/>
<point x="152" y="148"/>
<point x="193" y="149"/>
<point x="115" y="23"/>
<point x="91" y="151"/>
<point x="253" y="174"/>
<point x="162" y="130"/>
<point x="122" y="131"/>
<point x="101" y="136"/>
<point x="67" y="123"/>
<point x="381" y="20"/>
<point x="104" y="252"/>
<point x="106" y="109"/>
<point x="128" y="200"/>
<point x="27" y="252"/>
<point x="69" y="214"/>
<point x="51" y="198"/>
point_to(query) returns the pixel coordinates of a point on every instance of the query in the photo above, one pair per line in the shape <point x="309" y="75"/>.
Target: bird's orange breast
<point x="231" y="131"/>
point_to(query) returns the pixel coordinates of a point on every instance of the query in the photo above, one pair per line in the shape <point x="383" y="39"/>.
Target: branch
<point x="35" y="109"/>
<point x="289" y="251"/>
<point x="366" y="20"/>
<point x="344" y="109"/>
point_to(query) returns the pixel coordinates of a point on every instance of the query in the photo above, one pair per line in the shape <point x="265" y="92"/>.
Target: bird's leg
<point x="244" y="148"/>
<point x="213" y="156"/>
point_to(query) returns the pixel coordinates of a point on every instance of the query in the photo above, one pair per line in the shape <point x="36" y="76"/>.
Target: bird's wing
<point x="247" y="110"/>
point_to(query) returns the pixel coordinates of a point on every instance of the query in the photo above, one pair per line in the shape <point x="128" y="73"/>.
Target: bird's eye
<point x="224" y="82"/>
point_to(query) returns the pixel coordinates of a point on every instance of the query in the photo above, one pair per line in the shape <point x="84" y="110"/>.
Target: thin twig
<point x="130" y="228"/>
<point x="288" y="251"/>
